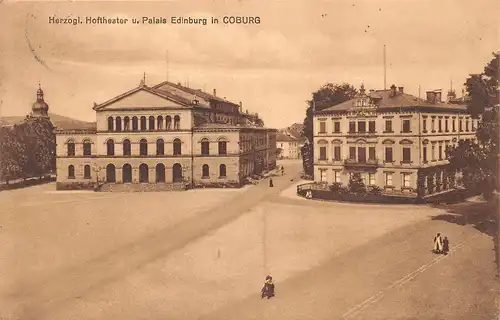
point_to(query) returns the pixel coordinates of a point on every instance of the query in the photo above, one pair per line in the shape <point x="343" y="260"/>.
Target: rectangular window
<point x="336" y="153"/>
<point x="433" y="124"/>
<point x="406" y="125"/>
<point x="336" y="176"/>
<point x="323" y="175"/>
<point x="322" y="153"/>
<point x="440" y="125"/>
<point x="388" y="154"/>
<point x="371" y="153"/>
<point x="453" y="126"/>
<point x="424" y="125"/>
<point x="388" y="125"/>
<point x="446" y="129"/>
<point x="467" y="125"/>
<point x="460" y="126"/>
<point x="433" y="153"/>
<point x="361" y="154"/>
<point x="424" y="153"/>
<point x="352" y="153"/>
<point x="362" y="126"/>
<point x="322" y="127"/>
<point x="336" y="126"/>
<point x="473" y="125"/>
<point x="352" y="126"/>
<point x="406" y="180"/>
<point x="371" y="126"/>
<point x="406" y="155"/>
<point x="440" y="152"/>
<point x="388" y="179"/>
<point x="371" y="179"/>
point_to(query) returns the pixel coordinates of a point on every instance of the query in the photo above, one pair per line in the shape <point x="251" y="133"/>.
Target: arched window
<point x="135" y="124"/>
<point x="143" y="123"/>
<point x="205" y="172"/>
<point x="110" y="123"/>
<point x="177" y="123"/>
<point x="160" y="172"/>
<point x="118" y="124"/>
<point x="160" y="147"/>
<point x="86" y="172"/>
<point x="143" y="173"/>
<point x="159" y="123"/>
<point x="177" y="173"/>
<point x="127" y="149"/>
<point x="143" y="147"/>
<point x="127" y="173"/>
<point x="177" y="147"/>
<point x="222" y="147"/>
<point x="110" y="147"/>
<point x="71" y="148"/>
<point x="222" y="171"/>
<point x="71" y="171"/>
<point x="110" y="173"/>
<point x="151" y="123"/>
<point x="205" y="147"/>
<point x="126" y="124"/>
<point x="87" y="147"/>
<point x="168" y="122"/>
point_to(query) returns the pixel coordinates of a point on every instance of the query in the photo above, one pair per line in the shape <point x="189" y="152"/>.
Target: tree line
<point x="27" y="149"/>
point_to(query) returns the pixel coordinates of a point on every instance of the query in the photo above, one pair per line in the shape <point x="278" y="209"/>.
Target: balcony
<point x="357" y="163"/>
<point x="361" y="133"/>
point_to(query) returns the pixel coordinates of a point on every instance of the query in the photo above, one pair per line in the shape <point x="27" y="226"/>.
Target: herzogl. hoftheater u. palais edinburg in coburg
<point x="164" y="137"/>
<point x="393" y="139"/>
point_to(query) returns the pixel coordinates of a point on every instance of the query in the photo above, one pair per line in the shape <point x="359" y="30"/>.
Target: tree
<point x="328" y="95"/>
<point x="13" y="156"/>
<point x="478" y="161"/>
<point x="356" y="184"/>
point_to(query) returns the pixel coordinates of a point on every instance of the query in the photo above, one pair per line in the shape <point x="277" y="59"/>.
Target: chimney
<point x="215" y="92"/>
<point x="241" y="107"/>
<point x="401" y="89"/>
<point x="437" y="96"/>
<point x="393" y="91"/>
<point x="431" y="97"/>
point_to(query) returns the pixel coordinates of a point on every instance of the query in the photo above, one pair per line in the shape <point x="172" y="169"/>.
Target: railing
<point x="312" y="186"/>
<point x="361" y="133"/>
<point x="356" y="162"/>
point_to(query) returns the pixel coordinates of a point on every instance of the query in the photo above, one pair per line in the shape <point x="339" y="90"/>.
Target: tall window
<point x="222" y="171"/>
<point x="151" y="123"/>
<point x="440" y="152"/>
<point x="322" y="153"/>
<point x="177" y="147"/>
<point x="135" y="124"/>
<point x="361" y="154"/>
<point x="467" y="125"/>
<point x="168" y="122"/>
<point x="205" y="147"/>
<point x="143" y="147"/>
<point x="406" y="125"/>
<point x="336" y="176"/>
<point x="352" y="126"/>
<point x="424" y="153"/>
<point x="424" y="125"/>
<point x="323" y="174"/>
<point x="446" y="129"/>
<point x="160" y="123"/>
<point x="440" y="125"/>
<point x="362" y="126"/>
<point x="205" y="171"/>
<point x="460" y="125"/>
<point x="371" y="178"/>
<point x="336" y="153"/>
<point x="110" y="144"/>
<point x="388" y="126"/>
<point x="87" y="148"/>
<point x="160" y="147"/>
<point x="371" y="126"/>
<point x="127" y="150"/>
<point x="406" y="155"/>
<point x="126" y="124"/>
<point x="110" y="123"/>
<point x="388" y="154"/>
<point x="71" y="171"/>
<point x="473" y="122"/>
<point x="322" y="127"/>
<point x="71" y="148"/>
<point x="86" y="172"/>
<point x="177" y="123"/>
<point x="352" y="153"/>
<point x="406" y="180"/>
<point x="453" y="126"/>
<point x="433" y="153"/>
<point x="388" y="179"/>
<point x="371" y="153"/>
<point x="336" y="126"/>
<point x="222" y="147"/>
<point x="143" y="123"/>
<point x="433" y="124"/>
<point x="118" y="124"/>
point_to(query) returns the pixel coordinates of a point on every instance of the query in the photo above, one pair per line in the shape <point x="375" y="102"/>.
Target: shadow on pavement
<point x="482" y="215"/>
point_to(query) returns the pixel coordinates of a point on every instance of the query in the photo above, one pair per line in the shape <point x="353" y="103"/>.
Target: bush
<point x="375" y="190"/>
<point x="356" y="184"/>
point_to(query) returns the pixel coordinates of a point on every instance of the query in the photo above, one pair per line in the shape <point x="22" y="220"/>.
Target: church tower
<point x="40" y="108"/>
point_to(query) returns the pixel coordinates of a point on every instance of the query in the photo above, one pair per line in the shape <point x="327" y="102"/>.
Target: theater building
<point x="394" y="140"/>
<point x="164" y="137"/>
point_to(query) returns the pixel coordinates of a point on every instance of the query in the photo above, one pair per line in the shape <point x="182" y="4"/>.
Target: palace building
<point x="164" y="137"/>
<point x="394" y="140"/>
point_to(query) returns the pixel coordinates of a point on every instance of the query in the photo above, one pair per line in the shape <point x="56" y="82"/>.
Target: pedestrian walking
<point x="268" y="288"/>
<point x="438" y="244"/>
<point x="446" y="245"/>
<point x="271" y="183"/>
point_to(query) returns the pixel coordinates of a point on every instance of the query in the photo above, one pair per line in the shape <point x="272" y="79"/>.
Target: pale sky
<point x="272" y="67"/>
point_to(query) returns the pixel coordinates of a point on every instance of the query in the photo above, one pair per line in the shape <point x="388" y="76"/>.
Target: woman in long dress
<point x="438" y="244"/>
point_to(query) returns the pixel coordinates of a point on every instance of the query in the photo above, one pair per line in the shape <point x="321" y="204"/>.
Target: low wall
<point x="74" y="186"/>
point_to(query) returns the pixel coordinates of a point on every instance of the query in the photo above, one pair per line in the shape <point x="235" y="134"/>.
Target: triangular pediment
<point x="141" y="98"/>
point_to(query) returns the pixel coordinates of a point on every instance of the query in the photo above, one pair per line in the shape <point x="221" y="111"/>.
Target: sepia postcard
<point x="249" y="159"/>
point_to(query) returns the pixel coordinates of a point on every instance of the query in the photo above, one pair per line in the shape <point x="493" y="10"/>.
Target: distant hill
<point x="58" y="121"/>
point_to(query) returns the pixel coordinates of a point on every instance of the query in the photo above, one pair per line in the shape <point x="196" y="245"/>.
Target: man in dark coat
<point x="446" y="245"/>
<point x="271" y="183"/>
<point x="268" y="289"/>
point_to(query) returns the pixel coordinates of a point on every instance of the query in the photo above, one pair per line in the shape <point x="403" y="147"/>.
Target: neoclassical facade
<point x="166" y="136"/>
<point x="394" y="140"/>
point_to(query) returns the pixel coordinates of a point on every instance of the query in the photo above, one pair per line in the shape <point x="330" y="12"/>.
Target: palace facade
<point x="395" y="141"/>
<point x="164" y="137"/>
